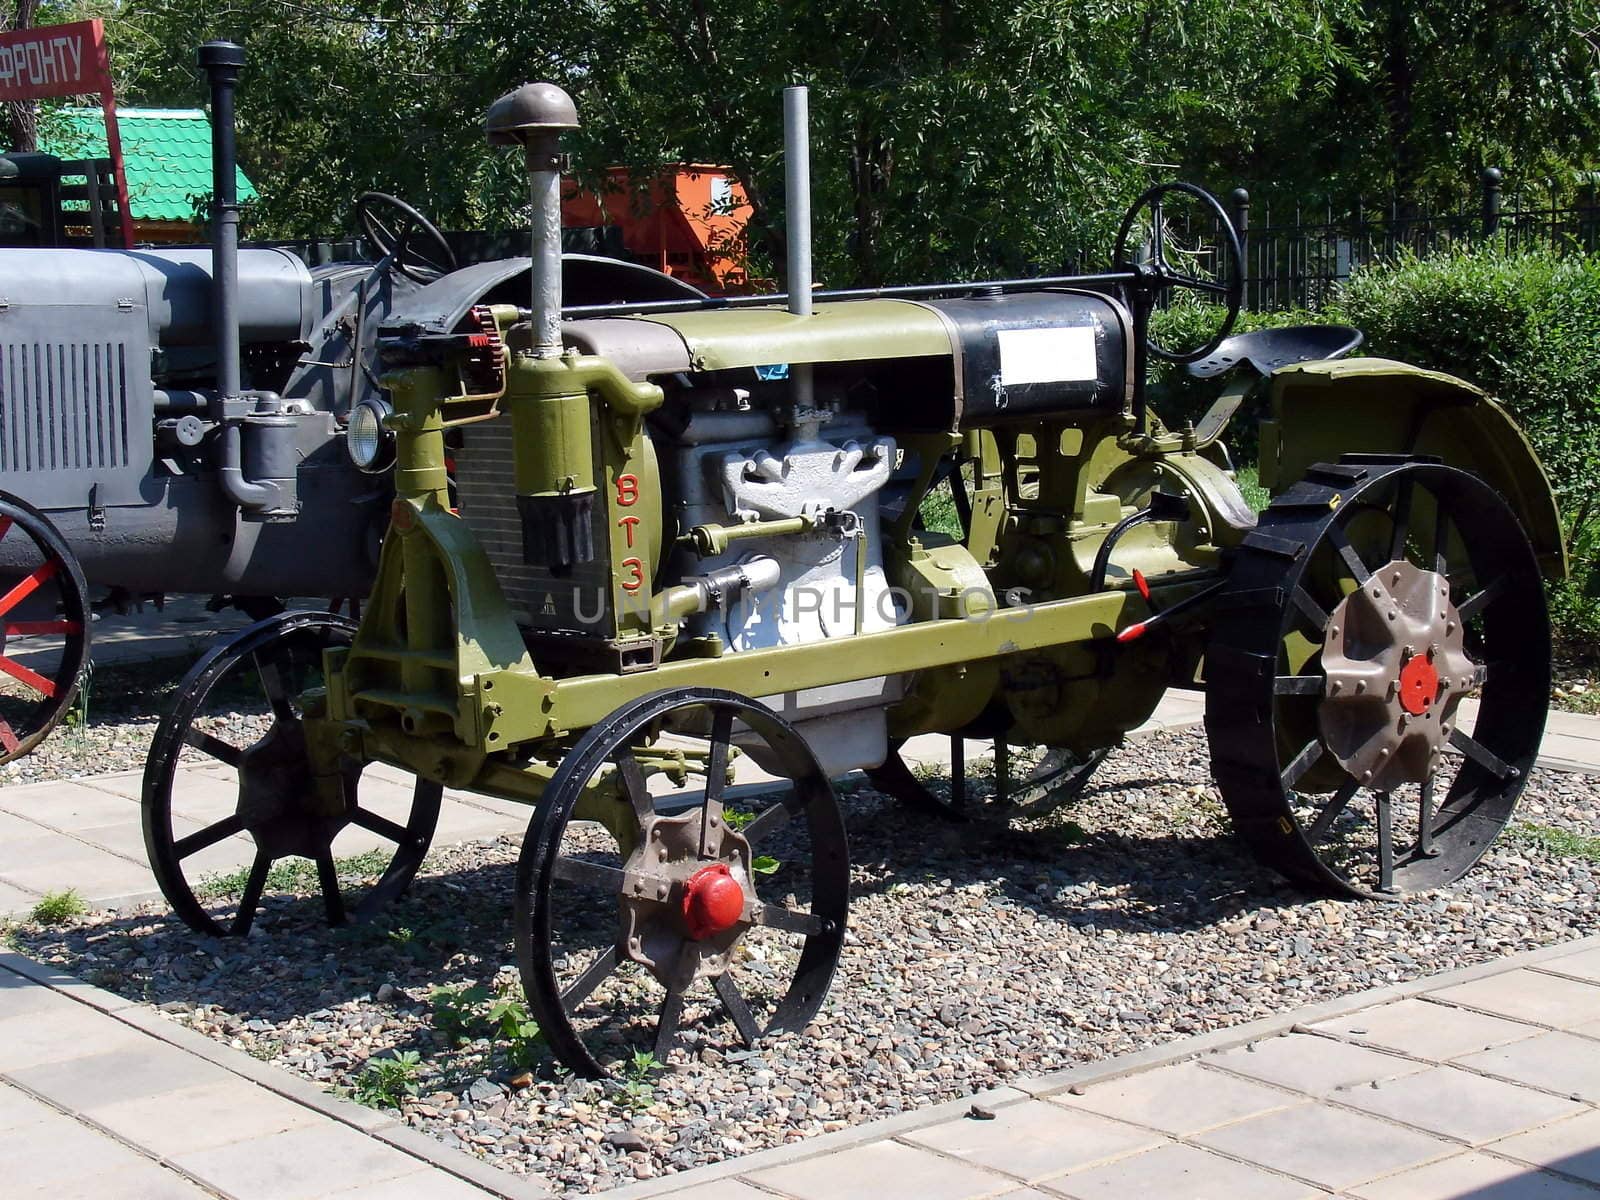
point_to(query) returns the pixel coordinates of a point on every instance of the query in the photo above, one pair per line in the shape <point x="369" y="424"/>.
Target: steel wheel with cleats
<point x="654" y="908"/>
<point x="1058" y="779"/>
<point x="44" y="627"/>
<point x="1374" y="597"/>
<point x="241" y="712"/>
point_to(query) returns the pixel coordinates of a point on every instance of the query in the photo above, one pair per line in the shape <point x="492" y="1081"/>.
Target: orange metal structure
<point x="688" y="221"/>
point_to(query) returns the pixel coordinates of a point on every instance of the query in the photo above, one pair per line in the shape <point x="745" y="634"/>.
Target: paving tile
<point x="14" y="901"/>
<point x="19" y="1108"/>
<point x="1585" y="964"/>
<point x="880" y="1171"/>
<point x="55" y="862"/>
<point x="430" y="1183"/>
<point x="1571" y="1147"/>
<point x="56" y="1152"/>
<point x="19" y="995"/>
<point x="1326" y="1145"/>
<point x="1460" y="1104"/>
<point x="197" y="1118"/>
<point x="1034" y="1140"/>
<point x="126" y="1073"/>
<point x="1560" y="1062"/>
<point x="1308" y="1063"/>
<point x="68" y="805"/>
<point x="724" y="1189"/>
<point x="296" y="1165"/>
<point x="1526" y="995"/>
<point x="64" y="1031"/>
<point x="1177" y="1172"/>
<point x="1476" y="1176"/>
<point x="1180" y="1099"/>
<point x="1434" y="1031"/>
<point x="134" y="1181"/>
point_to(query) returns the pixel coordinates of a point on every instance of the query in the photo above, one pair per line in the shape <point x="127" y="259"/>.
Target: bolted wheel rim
<point x="240" y="716"/>
<point x="44" y="627"/>
<point x="689" y="912"/>
<point x="1374" y="599"/>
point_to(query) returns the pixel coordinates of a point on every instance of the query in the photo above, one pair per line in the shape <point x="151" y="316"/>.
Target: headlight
<point x="369" y="444"/>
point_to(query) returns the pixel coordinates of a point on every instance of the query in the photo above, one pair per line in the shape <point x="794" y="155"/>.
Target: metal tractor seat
<point x="1267" y="350"/>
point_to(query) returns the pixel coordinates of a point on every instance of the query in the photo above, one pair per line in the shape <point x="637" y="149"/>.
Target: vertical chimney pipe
<point x="222" y="61"/>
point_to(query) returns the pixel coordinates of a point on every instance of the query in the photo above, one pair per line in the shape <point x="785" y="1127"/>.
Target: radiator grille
<point x="64" y="406"/>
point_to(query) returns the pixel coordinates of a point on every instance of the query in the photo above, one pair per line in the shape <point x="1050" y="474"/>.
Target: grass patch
<point x="1249" y="481"/>
<point x="293" y="874"/>
<point x="385" y="1082"/>
<point x="1563" y="843"/>
<point x="57" y="908"/>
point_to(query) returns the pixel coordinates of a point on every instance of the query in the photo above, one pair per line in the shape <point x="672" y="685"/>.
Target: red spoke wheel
<point x="1378" y="676"/>
<point x="216" y="840"/>
<point x="44" y="627"/>
<point x="668" y="907"/>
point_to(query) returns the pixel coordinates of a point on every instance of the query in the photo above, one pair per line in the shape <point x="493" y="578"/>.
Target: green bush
<point x="1526" y="328"/>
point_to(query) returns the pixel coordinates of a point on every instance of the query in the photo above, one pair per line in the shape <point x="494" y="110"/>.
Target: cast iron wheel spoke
<point x="776" y="916"/>
<point x="10" y="743"/>
<point x="382" y="826"/>
<point x="277" y="692"/>
<point x="1158" y="238"/>
<point x="328" y="879"/>
<point x="1331" y="810"/>
<point x="1209" y="286"/>
<point x="766" y="821"/>
<point x="1402" y="520"/>
<point x="716" y="776"/>
<point x="1301" y="763"/>
<point x="1475" y="603"/>
<point x="695" y="914"/>
<point x="576" y="870"/>
<point x="667" y="1022"/>
<point x="1397" y="664"/>
<point x="1310" y="609"/>
<point x="1352" y="561"/>
<point x="29" y="584"/>
<point x="276" y="778"/>
<point x="251" y="899"/>
<point x="214" y="746"/>
<point x="5" y="527"/>
<point x="28" y="677"/>
<point x="1482" y="755"/>
<point x="209" y="836"/>
<point x="743" y="1020"/>
<point x="634" y="784"/>
<point x="593" y="976"/>
<point x="1298" y="685"/>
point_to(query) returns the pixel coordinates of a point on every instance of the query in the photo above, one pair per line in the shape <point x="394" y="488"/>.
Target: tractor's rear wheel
<point x="239" y="718"/>
<point x="1378" y="676"/>
<point x="656" y="912"/>
<point x="44" y="627"/>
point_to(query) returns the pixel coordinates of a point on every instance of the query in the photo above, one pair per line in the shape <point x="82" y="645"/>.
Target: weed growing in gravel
<point x="765" y="864"/>
<point x="737" y="818"/>
<point x="455" y="1011"/>
<point x="294" y="874"/>
<point x="57" y="908"/>
<point x="1561" y="842"/>
<point x="519" y="1031"/>
<point x="385" y="1082"/>
<point x="638" y="1087"/>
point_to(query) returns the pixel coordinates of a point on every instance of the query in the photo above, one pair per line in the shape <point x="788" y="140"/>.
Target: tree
<point x="20" y="130"/>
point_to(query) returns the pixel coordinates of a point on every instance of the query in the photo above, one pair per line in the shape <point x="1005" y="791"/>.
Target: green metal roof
<point x="166" y="153"/>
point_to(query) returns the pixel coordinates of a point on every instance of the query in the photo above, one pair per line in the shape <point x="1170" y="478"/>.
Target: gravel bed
<point x="976" y="955"/>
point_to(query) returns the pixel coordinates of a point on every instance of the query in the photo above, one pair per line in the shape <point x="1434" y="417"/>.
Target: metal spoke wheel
<point x="1058" y="779"/>
<point x="44" y="627"/>
<point x="654" y="909"/>
<point x="241" y="713"/>
<point x="1375" y="597"/>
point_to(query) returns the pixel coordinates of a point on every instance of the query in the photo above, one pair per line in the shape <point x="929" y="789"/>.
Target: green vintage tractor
<point x="658" y="571"/>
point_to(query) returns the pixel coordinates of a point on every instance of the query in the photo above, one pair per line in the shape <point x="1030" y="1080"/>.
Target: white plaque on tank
<point x="1064" y="354"/>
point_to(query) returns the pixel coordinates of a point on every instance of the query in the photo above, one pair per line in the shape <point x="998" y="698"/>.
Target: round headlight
<point x="369" y="444"/>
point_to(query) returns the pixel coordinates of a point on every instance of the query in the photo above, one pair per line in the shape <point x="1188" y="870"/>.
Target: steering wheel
<point x="1156" y="274"/>
<point x="393" y="234"/>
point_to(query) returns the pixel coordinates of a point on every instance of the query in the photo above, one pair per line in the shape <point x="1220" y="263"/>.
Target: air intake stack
<point x="551" y="422"/>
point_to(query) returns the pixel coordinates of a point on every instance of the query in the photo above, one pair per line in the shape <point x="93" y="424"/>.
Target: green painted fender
<point x="1320" y="410"/>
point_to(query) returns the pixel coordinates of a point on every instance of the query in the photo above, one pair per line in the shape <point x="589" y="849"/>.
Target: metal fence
<point x="1296" y="259"/>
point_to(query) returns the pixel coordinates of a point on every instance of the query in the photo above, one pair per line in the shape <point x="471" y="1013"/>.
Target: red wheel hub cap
<point x="1419" y="685"/>
<point x="712" y="901"/>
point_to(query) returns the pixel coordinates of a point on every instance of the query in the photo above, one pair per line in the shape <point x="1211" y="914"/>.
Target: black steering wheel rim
<point x="1158" y="274"/>
<point x="395" y="244"/>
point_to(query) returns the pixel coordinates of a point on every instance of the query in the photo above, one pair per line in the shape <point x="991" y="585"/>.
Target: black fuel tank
<point x="1026" y="355"/>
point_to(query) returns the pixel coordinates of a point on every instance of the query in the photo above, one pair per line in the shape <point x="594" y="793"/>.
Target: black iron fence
<point x="1296" y="259"/>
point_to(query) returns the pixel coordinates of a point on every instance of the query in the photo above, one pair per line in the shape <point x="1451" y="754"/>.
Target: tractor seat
<point x="1269" y="349"/>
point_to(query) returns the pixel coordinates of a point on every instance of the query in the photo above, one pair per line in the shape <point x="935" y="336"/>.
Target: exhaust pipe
<point x="805" y="420"/>
<point x="253" y="427"/>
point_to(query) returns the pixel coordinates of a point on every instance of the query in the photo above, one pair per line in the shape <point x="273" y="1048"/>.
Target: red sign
<point x="67" y="60"/>
<point x="54" y="60"/>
